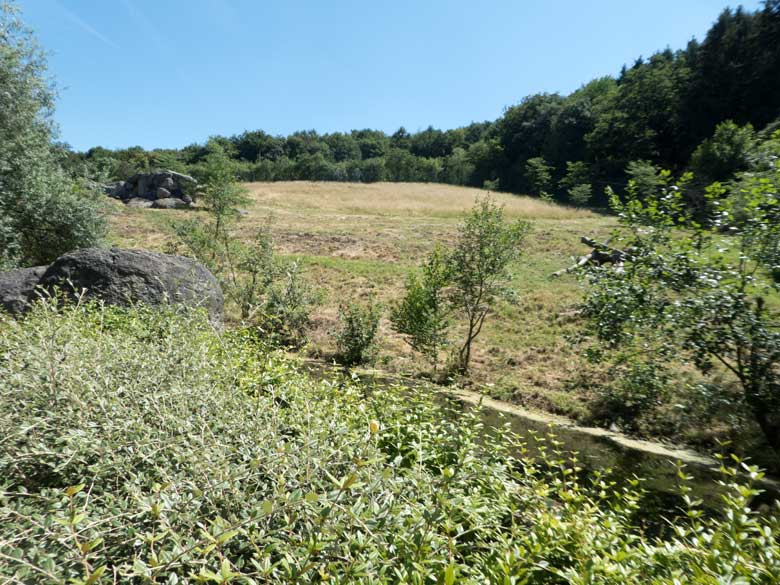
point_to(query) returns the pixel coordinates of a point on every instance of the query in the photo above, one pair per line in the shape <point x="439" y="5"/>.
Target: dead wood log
<point x="602" y="253"/>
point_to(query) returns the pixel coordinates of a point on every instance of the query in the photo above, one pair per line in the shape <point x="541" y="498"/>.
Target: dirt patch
<point x="336" y="245"/>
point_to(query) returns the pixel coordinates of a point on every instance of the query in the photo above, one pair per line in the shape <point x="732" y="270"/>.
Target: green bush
<point x="142" y="446"/>
<point x="356" y="338"/>
<point x="286" y="313"/>
<point x="42" y="212"/>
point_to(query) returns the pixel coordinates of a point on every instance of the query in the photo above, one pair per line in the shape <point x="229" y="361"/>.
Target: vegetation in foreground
<point x="145" y="446"/>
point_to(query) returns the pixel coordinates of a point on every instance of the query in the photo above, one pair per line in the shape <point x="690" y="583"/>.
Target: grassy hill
<point x="358" y="241"/>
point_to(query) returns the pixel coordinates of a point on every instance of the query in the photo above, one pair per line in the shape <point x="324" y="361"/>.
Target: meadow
<point x="358" y="241"/>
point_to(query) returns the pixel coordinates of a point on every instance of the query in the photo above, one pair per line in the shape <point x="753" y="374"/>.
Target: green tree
<point x="486" y="246"/>
<point x="576" y="182"/>
<point x="538" y="175"/>
<point x="577" y="173"/>
<point x="727" y="152"/>
<point x="691" y="293"/>
<point x="457" y="167"/>
<point x="647" y="178"/>
<point x="43" y="213"/>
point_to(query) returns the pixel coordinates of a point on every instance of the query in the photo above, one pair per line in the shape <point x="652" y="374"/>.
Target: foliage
<point x="286" y="312"/>
<point x="465" y="281"/>
<point x="691" y="293"/>
<point x="44" y="213"/>
<point x="646" y="178"/>
<point x="479" y="261"/>
<point x="249" y="274"/>
<point x="581" y="194"/>
<point x="538" y="175"/>
<point x="356" y="337"/>
<point x="725" y="154"/>
<point x="143" y="446"/>
<point x="423" y="314"/>
<point x="636" y="387"/>
<point x="577" y="173"/>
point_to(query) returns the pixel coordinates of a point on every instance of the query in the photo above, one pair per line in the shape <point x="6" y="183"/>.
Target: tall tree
<point x="43" y="213"/>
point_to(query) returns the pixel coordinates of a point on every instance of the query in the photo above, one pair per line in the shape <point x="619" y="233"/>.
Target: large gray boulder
<point x="17" y="287"/>
<point x="128" y="277"/>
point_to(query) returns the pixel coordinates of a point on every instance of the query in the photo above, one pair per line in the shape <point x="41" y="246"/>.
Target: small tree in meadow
<point x="487" y="244"/>
<point x="423" y="315"/>
<point x="581" y="194"/>
<point x="466" y="281"/>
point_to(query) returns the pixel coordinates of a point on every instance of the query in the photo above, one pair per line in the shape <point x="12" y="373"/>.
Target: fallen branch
<point x="601" y="254"/>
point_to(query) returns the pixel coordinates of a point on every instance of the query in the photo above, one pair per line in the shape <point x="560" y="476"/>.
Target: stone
<point x="17" y="288"/>
<point x="170" y="203"/>
<point x="116" y="190"/>
<point x="139" y="202"/>
<point x="155" y="186"/>
<point x="141" y="184"/>
<point x="129" y="277"/>
<point x="181" y="178"/>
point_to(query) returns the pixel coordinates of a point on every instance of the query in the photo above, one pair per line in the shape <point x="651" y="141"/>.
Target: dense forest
<point x="693" y="109"/>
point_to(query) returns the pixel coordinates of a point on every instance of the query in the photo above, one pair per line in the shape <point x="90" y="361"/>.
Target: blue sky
<point x="166" y="73"/>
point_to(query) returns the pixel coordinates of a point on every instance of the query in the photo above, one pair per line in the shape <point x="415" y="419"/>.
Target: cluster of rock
<point x="162" y="190"/>
<point x="116" y="277"/>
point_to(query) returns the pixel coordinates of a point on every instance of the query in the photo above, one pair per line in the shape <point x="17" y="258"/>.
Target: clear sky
<point x="166" y="73"/>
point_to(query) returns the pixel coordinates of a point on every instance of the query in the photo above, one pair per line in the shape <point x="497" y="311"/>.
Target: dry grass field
<point x="358" y="241"/>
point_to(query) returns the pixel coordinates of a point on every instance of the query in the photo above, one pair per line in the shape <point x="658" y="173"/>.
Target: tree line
<point x="661" y="110"/>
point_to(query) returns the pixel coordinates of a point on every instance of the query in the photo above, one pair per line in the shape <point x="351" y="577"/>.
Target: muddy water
<point x="596" y="448"/>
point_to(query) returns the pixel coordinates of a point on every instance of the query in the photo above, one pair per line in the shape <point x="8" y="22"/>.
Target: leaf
<point x="96" y="574"/>
<point x="74" y="489"/>
<point x="450" y="574"/>
<point x="348" y="481"/>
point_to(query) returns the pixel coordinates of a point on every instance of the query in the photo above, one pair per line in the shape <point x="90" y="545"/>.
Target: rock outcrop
<point x="118" y="277"/>
<point x="160" y="186"/>
<point x="17" y="288"/>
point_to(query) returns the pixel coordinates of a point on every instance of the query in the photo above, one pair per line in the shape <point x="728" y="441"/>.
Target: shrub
<point x="635" y="390"/>
<point x="356" y="338"/>
<point x="143" y="446"/>
<point x="423" y="314"/>
<point x="286" y="312"/>
<point x="43" y="213"/>
<point x="691" y="295"/>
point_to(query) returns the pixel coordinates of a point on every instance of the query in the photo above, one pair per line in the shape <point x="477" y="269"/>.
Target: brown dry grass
<point x="394" y="199"/>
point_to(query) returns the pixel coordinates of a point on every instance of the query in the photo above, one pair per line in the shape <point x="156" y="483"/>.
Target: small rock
<point x="139" y="202"/>
<point x="163" y="193"/>
<point x="170" y="203"/>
